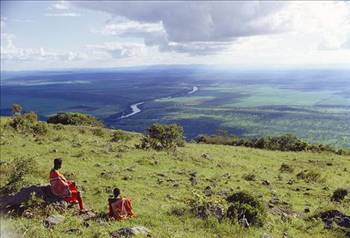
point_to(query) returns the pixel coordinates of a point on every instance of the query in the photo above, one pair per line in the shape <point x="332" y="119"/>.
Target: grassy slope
<point x="86" y="156"/>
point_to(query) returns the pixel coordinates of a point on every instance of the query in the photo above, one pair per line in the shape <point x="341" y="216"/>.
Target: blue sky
<point x="62" y="34"/>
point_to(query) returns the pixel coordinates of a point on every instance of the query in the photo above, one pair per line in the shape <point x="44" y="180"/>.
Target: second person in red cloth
<point x="63" y="188"/>
<point x="120" y="208"/>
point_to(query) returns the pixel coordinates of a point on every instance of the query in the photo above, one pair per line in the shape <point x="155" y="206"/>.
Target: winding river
<point x="134" y="110"/>
<point x="135" y="107"/>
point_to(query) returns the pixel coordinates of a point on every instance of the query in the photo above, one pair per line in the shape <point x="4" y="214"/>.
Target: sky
<point x="40" y="35"/>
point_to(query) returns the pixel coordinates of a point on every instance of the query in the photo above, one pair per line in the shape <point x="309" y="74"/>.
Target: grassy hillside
<point x="159" y="182"/>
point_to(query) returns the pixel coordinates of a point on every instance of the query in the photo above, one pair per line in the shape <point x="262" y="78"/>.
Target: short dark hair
<point x="116" y="192"/>
<point x="57" y="162"/>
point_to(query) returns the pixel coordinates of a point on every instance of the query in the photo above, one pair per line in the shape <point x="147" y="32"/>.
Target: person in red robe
<point x="120" y="208"/>
<point x="63" y="188"/>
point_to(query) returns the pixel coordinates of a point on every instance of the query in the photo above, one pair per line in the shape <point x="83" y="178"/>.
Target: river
<point x="135" y="107"/>
<point x="134" y="110"/>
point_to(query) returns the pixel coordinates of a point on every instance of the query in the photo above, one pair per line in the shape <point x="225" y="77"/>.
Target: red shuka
<point x="62" y="187"/>
<point x="120" y="208"/>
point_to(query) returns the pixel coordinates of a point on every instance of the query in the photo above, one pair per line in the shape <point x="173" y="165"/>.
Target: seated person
<point x="120" y="208"/>
<point x="63" y="188"/>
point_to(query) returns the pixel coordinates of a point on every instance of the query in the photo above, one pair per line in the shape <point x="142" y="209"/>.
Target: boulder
<point x="53" y="220"/>
<point x="129" y="232"/>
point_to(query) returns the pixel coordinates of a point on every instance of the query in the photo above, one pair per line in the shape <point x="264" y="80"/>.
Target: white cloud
<point x="61" y="5"/>
<point x="200" y="28"/>
<point x="115" y="50"/>
<point x="10" y="52"/>
<point x="63" y="14"/>
<point x="192" y="27"/>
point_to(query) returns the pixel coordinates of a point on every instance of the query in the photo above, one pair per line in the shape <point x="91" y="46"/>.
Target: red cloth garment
<point x="120" y="208"/>
<point x="60" y="186"/>
<point x="64" y="188"/>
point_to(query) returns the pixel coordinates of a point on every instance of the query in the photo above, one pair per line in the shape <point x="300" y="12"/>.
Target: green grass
<point x="86" y="156"/>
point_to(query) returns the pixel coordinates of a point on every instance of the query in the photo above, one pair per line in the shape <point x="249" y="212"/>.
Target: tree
<point x="161" y="137"/>
<point x="16" y="109"/>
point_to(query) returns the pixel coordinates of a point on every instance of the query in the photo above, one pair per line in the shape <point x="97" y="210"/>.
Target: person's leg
<point x="80" y="200"/>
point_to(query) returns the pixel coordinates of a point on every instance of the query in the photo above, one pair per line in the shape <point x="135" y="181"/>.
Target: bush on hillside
<point x="246" y="206"/>
<point x="162" y="137"/>
<point x="74" y="118"/>
<point x="203" y="206"/>
<point x="16" y="109"/>
<point x="286" y="168"/>
<point x="119" y="136"/>
<point x="15" y="173"/>
<point x="309" y="176"/>
<point x="282" y="143"/>
<point x="98" y="132"/>
<point x="339" y="194"/>
<point x="28" y="123"/>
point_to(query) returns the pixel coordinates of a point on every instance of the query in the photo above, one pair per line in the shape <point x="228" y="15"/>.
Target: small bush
<point x="16" y="109"/>
<point x="16" y="173"/>
<point x="74" y="118"/>
<point x="339" y="194"/>
<point x="286" y="168"/>
<point x="246" y="206"/>
<point x="309" y="176"/>
<point x="98" y="132"/>
<point x="40" y="128"/>
<point x="203" y="206"/>
<point x="249" y="177"/>
<point x="119" y="136"/>
<point x="28" y="123"/>
<point x="160" y="137"/>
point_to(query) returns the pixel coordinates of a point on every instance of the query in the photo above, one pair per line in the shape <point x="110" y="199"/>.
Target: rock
<point x="265" y="235"/>
<point x="27" y="214"/>
<point x="208" y="191"/>
<point x="88" y="215"/>
<point x="265" y="182"/>
<point x="129" y="232"/>
<point x="205" y="156"/>
<point x="193" y="181"/>
<point x="244" y="222"/>
<point x="73" y="231"/>
<point x="53" y="220"/>
<point x="126" y="177"/>
<point x="290" y="181"/>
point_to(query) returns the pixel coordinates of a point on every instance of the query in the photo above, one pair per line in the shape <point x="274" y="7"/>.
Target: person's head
<point x="57" y="163"/>
<point x="116" y="192"/>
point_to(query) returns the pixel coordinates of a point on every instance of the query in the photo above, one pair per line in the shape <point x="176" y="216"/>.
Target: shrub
<point x="246" y="206"/>
<point x="339" y="194"/>
<point x="160" y="137"/>
<point x="74" y="118"/>
<point x="40" y="128"/>
<point x="28" y="123"/>
<point x="282" y="143"/>
<point x="16" y="109"/>
<point x="119" y="136"/>
<point x="249" y="177"/>
<point x="203" y="206"/>
<point x="286" y="168"/>
<point x="98" y="132"/>
<point x="16" y="173"/>
<point x="309" y="176"/>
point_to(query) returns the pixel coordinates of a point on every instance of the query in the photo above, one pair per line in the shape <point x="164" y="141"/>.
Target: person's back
<point x="120" y="208"/>
<point x="63" y="188"/>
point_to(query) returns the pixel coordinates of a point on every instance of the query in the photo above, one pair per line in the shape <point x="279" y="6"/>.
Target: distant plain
<point x="313" y="104"/>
